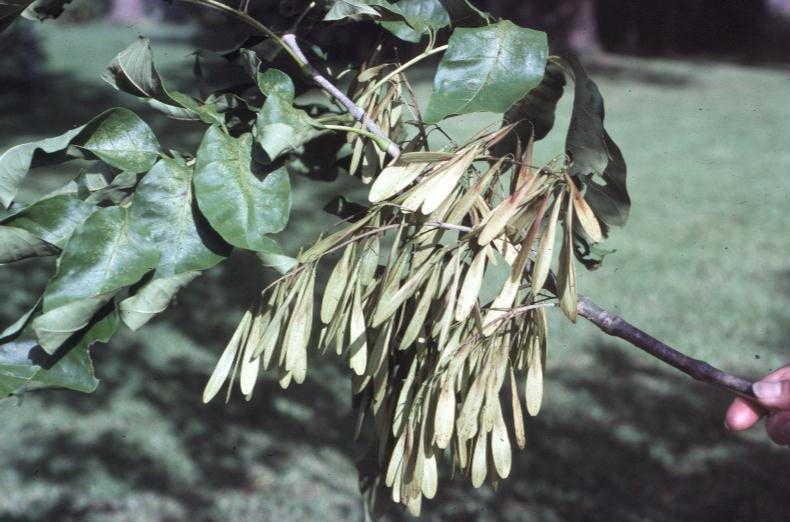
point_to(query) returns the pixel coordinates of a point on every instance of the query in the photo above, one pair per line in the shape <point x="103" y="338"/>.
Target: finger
<point x="778" y="427"/>
<point x="773" y="394"/>
<point x="742" y="415"/>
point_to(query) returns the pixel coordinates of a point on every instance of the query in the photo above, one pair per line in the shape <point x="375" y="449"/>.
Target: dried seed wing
<point x="518" y="414"/>
<point x="463" y="205"/>
<point x="479" y="465"/>
<point x="470" y="289"/>
<point x="567" y="272"/>
<point x="444" y="419"/>
<point x="225" y="362"/>
<point x="421" y="311"/>
<point x="249" y="365"/>
<point x="391" y="301"/>
<point x="430" y="476"/>
<point x="336" y="285"/>
<point x="546" y="250"/>
<point x="394" y="179"/>
<point x="587" y="218"/>
<point x="450" y="300"/>
<point x="534" y="386"/>
<point x="358" y="344"/>
<point x="467" y="423"/>
<point x="500" y="447"/>
<point x="297" y="335"/>
<point x="322" y="245"/>
<point x="504" y="213"/>
<point x="440" y="185"/>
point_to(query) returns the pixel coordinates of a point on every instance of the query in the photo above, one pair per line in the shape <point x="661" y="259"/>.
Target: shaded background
<point x="697" y="98"/>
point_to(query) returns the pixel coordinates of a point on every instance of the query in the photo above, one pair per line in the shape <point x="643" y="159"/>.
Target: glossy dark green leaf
<point x="164" y="214"/>
<point x="25" y="366"/>
<point x="18" y="243"/>
<point x="133" y="71"/>
<point x="487" y="69"/>
<point x="420" y="16"/>
<point x="535" y="112"/>
<point x="594" y="153"/>
<point x="16" y="161"/>
<point x="12" y="331"/>
<point x="15" y="367"/>
<point x="57" y="326"/>
<point x="51" y="219"/>
<point x="117" y="136"/>
<point x="238" y="205"/>
<point x="104" y="255"/>
<point x="280" y="127"/>
<point x="124" y="141"/>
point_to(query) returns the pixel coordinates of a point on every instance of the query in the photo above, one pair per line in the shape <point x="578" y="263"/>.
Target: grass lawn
<point x="703" y="264"/>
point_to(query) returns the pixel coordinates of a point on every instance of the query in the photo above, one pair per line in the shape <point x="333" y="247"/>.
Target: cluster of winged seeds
<point x="432" y="360"/>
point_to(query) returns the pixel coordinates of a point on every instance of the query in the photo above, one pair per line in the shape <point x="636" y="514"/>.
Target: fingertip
<point x="773" y="393"/>
<point x="741" y="415"/>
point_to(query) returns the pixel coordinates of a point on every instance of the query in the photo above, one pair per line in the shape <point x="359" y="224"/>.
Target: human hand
<point x="773" y="401"/>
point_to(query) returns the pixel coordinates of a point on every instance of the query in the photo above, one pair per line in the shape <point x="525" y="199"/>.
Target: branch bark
<point x="618" y="327"/>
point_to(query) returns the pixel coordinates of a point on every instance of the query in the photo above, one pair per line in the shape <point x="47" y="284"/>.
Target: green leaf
<point x="117" y="136"/>
<point x="51" y="219"/>
<point x="357" y="9"/>
<point x="13" y="330"/>
<point x="463" y="14"/>
<point x="536" y="110"/>
<point x="280" y="127"/>
<point x="133" y="71"/>
<point x="104" y="255"/>
<point x="18" y="243"/>
<point x="236" y="203"/>
<point x="487" y="69"/>
<point x="420" y="16"/>
<point x="58" y="325"/>
<point x="124" y="141"/>
<point x="15" y="367"/>
<point x="594" y="153"/>
<point x="16" y="161"/>
<point x="25" y="366"/>
<point x="163" y="212"/>
<point x="152" y="298"/>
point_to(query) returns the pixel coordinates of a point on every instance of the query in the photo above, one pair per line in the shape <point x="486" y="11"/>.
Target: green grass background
<point x="703" y="264"/>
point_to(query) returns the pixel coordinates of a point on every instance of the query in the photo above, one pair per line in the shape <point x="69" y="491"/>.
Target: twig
<point x="355" y="110"/>
<point x="700" y="370"/>
<point x="289" y="44"/>
<point x="247" y="19"/>
<point x="402" y="68"/>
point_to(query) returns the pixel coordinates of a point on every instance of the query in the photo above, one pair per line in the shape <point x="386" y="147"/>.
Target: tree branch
<point x="355" y="110"/>
<point x="700" y="370"/>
